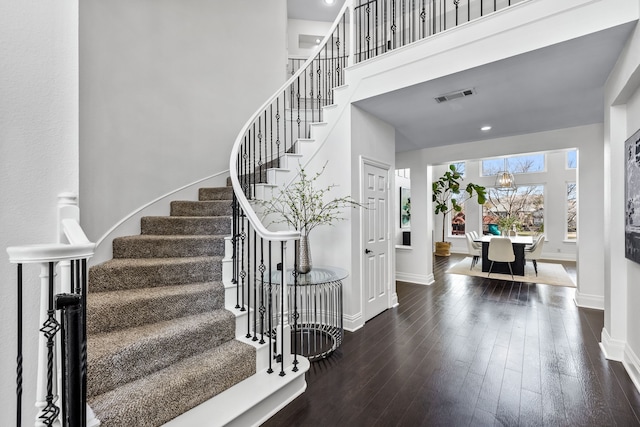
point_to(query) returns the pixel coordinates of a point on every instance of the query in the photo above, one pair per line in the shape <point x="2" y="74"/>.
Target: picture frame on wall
<point x="405" y="207"/>
<point x="632" y="197"/>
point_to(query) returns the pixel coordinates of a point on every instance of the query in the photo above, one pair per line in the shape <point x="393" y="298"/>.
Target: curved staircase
<point x="160" y="341"/>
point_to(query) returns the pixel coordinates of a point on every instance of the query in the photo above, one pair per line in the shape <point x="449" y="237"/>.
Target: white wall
<point x="590" y="253"/>
<point x="620" y="335"/>
<point x="296" y="27"/>
<point x="38" y="160"/>
<point x="165" y="88"/>
<point x="633" y="269"/>
<point x="374" y="140"/>
<point x="404" y="182"/>
<point x="554" y="180"/>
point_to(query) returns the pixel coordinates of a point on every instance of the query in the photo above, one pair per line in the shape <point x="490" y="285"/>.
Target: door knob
<point x="367" y="251"/>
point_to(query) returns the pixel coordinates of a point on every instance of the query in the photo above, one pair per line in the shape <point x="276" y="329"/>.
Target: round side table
<point x="318" y="330"/>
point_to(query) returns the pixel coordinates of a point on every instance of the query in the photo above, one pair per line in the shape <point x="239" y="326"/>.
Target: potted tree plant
<point x="444" y="190"/>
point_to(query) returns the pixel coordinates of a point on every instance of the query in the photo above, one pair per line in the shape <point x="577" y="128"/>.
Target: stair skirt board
<point x="248" y="403"/>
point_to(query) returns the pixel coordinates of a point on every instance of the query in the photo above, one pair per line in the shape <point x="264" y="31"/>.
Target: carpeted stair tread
<point x="190" y="225"/>
<point x="215" y="193"/>
<point x="108" y="311"/>
<point x="118" y="357"/>
<point x="201" y="208"/>
<point x="155" y="399"/>
<point x="131" y="273"/>
<point x="168" y="246"/>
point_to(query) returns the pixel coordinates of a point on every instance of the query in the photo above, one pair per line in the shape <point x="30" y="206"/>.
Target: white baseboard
<point x="631" y="363"/>
<point x="589" y="301"/>
<point x="611" y="348"/>
<point x="415" y="278"/>
<point x="353" y="322"/>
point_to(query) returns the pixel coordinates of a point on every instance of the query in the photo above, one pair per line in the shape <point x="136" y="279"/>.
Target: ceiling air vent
<point x="455" y="95"/>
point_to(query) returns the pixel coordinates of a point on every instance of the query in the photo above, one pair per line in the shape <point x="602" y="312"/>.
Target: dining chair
<point x="473" y="250"/>
<point x="474" y="237"/>
<point x="501" y="250"/>
<point x="534" y="252"/>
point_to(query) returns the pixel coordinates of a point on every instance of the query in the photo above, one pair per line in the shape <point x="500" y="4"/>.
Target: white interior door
<point x="376" y="284"/>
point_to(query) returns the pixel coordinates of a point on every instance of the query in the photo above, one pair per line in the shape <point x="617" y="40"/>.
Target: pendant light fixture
<point x="504" y="179"/>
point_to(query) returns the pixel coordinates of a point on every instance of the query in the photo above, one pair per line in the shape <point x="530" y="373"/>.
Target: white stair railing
<point x="66" y="259"/>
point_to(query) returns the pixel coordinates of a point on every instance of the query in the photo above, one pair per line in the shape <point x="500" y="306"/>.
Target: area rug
<point x="548" y="273"/>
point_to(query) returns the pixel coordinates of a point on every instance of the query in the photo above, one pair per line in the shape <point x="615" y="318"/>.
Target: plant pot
<point x="443" y="248"/>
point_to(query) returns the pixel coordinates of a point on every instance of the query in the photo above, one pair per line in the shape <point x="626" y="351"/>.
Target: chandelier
<point x="504" y="179"/>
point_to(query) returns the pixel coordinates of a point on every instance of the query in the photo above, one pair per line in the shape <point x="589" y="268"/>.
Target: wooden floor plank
<point x="470" y="351"/>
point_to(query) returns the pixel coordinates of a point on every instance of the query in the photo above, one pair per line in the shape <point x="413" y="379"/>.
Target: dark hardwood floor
<point x="469" y="351"/>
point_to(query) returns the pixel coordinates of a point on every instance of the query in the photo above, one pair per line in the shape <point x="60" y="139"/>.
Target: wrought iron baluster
<point x="284" y="121"/>
<point x="455" y="2"/>
<point x="243" y="274"/>
<point x="270" y="157"/>
<point x="296" y="315"/>
<point x="19" y="360"/>
<point x="248" y="257"/>
<point x="282" y="296"/>
<point x="311" y="93"/>
<point x="394" y="26"/>
<point x="263" y="309"/>
<point x="278" y="128"/>
<point x="255" y="286"/>
<point x="270" y="313"/>
<point x="257" y="167"/>
<point x="83" y="340"/>
<point x="298" y="120"/>
<point x="404" y="23"/>
<point x="234" y="246"/>
<point x="50" y="328"/>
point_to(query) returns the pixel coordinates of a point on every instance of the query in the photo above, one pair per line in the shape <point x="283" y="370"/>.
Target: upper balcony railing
<point x="384" y="25"/>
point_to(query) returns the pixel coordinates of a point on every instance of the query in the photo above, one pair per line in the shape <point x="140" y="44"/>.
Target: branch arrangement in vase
<point x="302" y="204"/>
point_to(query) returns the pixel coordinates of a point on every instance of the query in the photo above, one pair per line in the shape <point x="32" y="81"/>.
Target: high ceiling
<point x="556" y="87"/>
<point x="313" y="10"/>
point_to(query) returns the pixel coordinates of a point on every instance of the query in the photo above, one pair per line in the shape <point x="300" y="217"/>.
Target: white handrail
<point x="251" y="215"/>
<point x="49" y="252"/>
<point x="74" y="233"/>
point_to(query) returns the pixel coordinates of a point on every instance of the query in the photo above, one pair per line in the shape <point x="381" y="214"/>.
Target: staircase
<point x="160" y="341"/>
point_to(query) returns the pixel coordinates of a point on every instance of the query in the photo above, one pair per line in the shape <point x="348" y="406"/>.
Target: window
<point x="572" y="159"/>
<point x="457" y="219"/>
<point x="460" y="167"/>
<point x="403" y="173"/>
<point x="572" y="219"/>
<point x="517" y="164"/>
<point x="525" y="205"/>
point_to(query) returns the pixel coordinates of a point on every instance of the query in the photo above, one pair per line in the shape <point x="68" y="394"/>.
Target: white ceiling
<point x="313" y="10"/>
<point x="556" y="87"/>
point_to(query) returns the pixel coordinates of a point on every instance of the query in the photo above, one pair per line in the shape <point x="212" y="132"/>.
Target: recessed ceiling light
<point x="329" y="1"/>
<point x="317" y="41"/>
<point x="485" y="128"/>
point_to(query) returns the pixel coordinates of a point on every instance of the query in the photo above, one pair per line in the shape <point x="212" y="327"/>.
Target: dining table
<point x="519" y="244"/>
